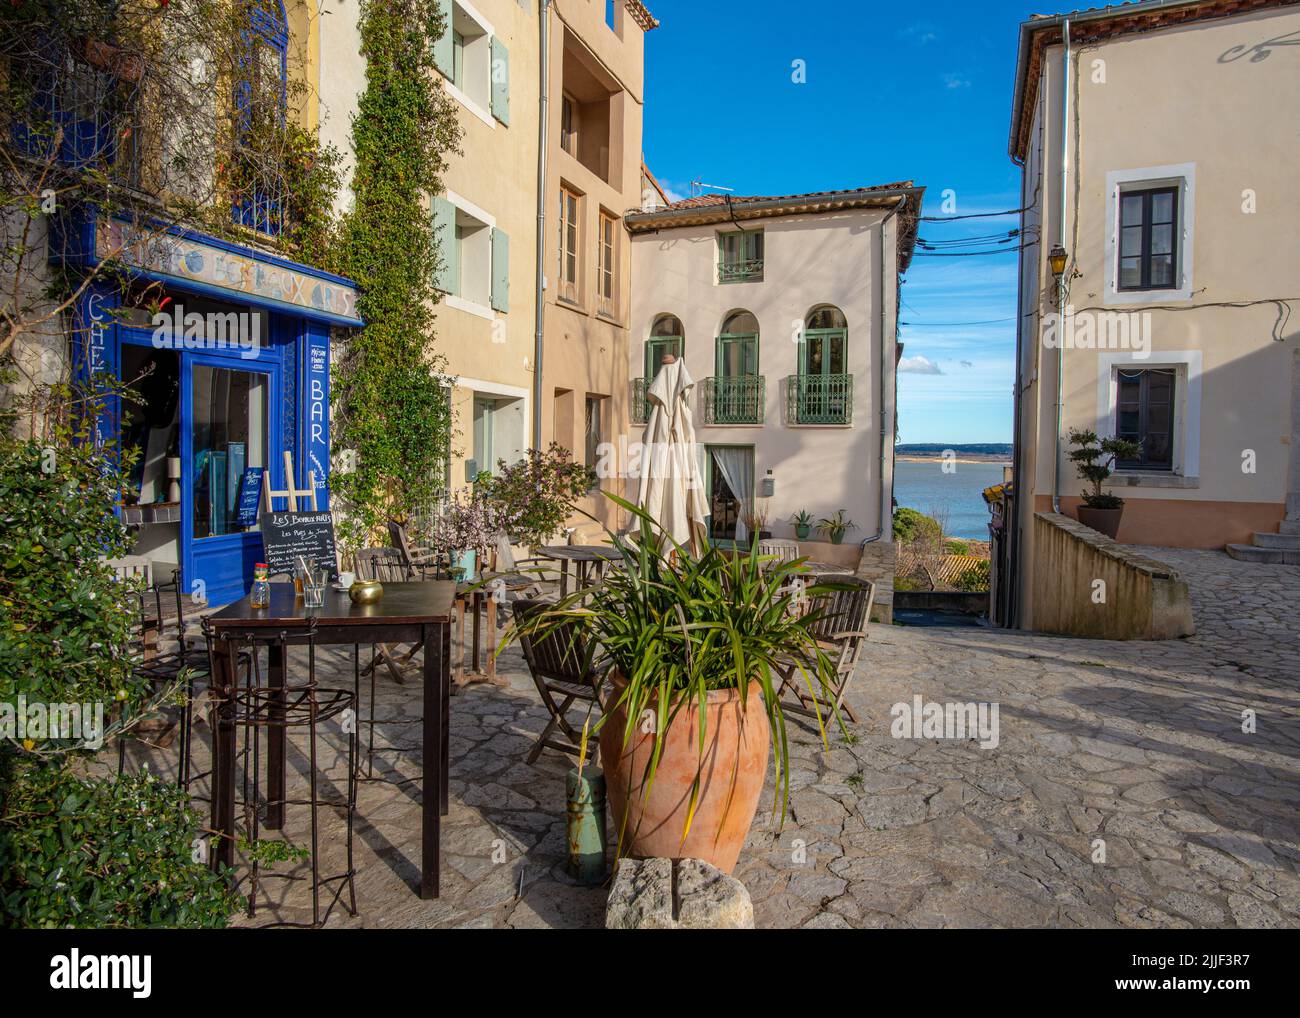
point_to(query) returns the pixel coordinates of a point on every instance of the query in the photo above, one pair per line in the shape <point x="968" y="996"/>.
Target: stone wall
<point x="1085" y="584"/>
<point x="876" y="564"/>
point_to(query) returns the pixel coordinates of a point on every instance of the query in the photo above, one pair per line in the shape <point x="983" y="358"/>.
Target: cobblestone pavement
<point x="1122" y="791"/>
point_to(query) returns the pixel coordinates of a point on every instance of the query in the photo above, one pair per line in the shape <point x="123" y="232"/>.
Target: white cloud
<point x="956" y="81"/>
<point x="918" y="365"/>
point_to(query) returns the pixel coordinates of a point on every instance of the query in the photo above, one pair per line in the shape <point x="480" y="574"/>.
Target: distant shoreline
<point x="968" y="457"/>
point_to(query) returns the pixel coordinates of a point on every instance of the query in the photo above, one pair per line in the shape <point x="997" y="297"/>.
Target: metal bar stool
<point x="256" y="707"/>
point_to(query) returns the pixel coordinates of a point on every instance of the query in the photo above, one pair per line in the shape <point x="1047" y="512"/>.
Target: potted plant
<point x="802" y="521"/>
<point x="835" y="527"/>
<point x="755" y="521"/>
<point x="1094" y="458"/>
<point x="689" y="649"/>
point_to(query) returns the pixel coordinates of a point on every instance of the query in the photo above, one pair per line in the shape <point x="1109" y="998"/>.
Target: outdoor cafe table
<point x="583" y="555"/>
<point x="407" y="613"/>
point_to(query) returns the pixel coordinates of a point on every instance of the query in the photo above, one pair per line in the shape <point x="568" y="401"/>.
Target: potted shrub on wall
<point x="689" y="648"/>
<point x="1094" y="459"/>
<point x="802" y="521"/>
<point x="835" y="527"/>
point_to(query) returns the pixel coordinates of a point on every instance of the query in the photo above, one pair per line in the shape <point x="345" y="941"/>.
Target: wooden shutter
<point x="500" y="81"/>
<point x="500" y="270"/>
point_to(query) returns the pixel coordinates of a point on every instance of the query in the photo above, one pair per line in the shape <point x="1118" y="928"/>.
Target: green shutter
<point x="500" y="270"/>
<point x="500" y="81"/>
<point x="442" y="58"/>
<point x="444" y="231"/>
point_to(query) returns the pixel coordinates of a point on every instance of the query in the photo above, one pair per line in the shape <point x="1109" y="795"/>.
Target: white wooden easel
<point x="290" y="492"/>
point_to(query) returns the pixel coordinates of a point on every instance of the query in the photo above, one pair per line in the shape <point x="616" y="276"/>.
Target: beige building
<point x="785" y="310"/>
<point x="488" y="218"/>
<point x="594" y="176"/>
<point x="1159" y="155"/>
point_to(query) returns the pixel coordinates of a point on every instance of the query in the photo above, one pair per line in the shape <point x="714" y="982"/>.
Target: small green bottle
<point x="260" y="595"/>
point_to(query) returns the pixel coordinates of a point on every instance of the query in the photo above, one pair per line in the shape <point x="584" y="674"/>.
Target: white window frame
<point x="482" y="387"/>
<point x="460" y="95"/>
<point x="1187" y="403"/>
<point x="1181" y="176"/>
<point x="456" y="301"/>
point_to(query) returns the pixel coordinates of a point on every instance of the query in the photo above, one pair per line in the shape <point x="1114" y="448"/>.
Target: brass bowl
<point x="366" y="591"/>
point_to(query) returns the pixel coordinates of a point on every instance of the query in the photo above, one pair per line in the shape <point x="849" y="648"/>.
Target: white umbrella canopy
<point x="671" y="489"/>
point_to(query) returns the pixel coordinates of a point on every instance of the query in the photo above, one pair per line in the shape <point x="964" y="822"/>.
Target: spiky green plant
<point x="676" y="627"/>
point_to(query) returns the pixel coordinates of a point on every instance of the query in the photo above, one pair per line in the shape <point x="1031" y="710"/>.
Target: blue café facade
<point x="227" y="350"/>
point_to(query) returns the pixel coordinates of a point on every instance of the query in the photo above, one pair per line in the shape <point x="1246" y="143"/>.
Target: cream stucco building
<point x="785" y="310"/>
<point x="1159" y="155"/>
<point x="488" y="221"/>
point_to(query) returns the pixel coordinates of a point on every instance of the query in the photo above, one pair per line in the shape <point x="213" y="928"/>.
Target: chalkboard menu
<point x="250" y="494"/>
<point x="287" y="535"/>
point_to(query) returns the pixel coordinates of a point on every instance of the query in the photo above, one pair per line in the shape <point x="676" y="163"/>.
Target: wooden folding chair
<point x="781" y="551"/>
<point x="419" y="562"/>
<point x="387" y="565"/>
<point x="840" y="630"/>
<point x="558" y="664"/>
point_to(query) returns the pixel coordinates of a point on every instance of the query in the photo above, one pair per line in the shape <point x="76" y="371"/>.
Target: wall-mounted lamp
<point x="1057" y="259"/>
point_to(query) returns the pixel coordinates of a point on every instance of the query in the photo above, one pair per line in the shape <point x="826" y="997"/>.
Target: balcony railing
<point x="740" y="272"/>
<point x="737" y="400"/>
<point x="819" y="399"/>
<point x="640" y="409"/>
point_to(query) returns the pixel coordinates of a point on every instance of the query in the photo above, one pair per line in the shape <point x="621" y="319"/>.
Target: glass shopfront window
<point x="229" y="430"/>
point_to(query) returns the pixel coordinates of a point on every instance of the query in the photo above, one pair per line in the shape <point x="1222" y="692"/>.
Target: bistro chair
<point x="420" y="563"/>
<point x="563" y="674"/>
<point x="840" y="628"/>
<point x="254" y="709"/>
<point x="779" y="550"/>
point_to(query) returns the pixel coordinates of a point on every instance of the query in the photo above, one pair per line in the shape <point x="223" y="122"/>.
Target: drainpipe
<point x="886" y="494"/>
<point x="544" y="8"/>
<point x="1060" y="283"/>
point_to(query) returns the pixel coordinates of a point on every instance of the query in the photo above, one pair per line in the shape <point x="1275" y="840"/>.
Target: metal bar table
<point x="407" y="613"/>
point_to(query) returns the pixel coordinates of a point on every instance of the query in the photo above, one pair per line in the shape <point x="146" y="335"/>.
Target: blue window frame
<point x="264" y="76"/>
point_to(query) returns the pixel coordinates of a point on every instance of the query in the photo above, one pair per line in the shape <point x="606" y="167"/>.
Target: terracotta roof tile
<point x="706" y="200"/>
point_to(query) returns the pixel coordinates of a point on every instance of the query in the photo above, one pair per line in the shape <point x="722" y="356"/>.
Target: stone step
<point x="1289" y="527"/>
<point x="1293" y="506"/>
<point x="1287" y="542"/>
<point x="1252" y="553"/>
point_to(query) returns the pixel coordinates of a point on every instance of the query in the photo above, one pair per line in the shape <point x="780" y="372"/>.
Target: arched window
<point x="666" y="337"/>
<point x="736" y="388"/>
<point x="738" y="345"/>
<point x="822" y="392"/>
<point x="261" y="98"/>
<point x="824" y="350"/>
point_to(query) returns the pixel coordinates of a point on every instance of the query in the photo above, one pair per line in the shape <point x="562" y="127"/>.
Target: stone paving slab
<point x="1123" y="791"/>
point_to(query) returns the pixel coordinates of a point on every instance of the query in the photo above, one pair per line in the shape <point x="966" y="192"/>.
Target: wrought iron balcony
<point x="819" y="399"/>
<point x="640" y="409"/>
<point x="737" y="400"/>
<point x="740" y="272"/>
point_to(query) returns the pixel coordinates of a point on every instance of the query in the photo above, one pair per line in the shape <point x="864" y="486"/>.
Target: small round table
<point x="584" y="556"/>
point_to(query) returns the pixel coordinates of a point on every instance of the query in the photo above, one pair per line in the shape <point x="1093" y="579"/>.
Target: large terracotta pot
<point x="734" y="766"/>
<point x="1104" y="521"/>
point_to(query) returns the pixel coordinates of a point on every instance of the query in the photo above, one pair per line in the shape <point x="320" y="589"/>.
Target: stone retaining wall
<point x="1085" y="584"/>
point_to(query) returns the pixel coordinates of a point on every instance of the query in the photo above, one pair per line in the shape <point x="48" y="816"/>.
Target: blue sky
<point x="921" y="92"/>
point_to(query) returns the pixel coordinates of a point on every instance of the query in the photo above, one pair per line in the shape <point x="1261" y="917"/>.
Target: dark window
<point x="1148" y="239"/>
<point x="1146" y="415"/>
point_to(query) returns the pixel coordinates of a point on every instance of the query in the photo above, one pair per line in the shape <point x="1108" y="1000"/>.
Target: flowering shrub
<point x="537" y="493"/>
<point x="470" y="521"/>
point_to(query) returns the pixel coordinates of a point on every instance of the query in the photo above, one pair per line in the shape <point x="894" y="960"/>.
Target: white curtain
<point x="737" y="468"/>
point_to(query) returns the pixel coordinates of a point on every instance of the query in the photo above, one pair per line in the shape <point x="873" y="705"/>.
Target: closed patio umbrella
<point x="671" y="490"/>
